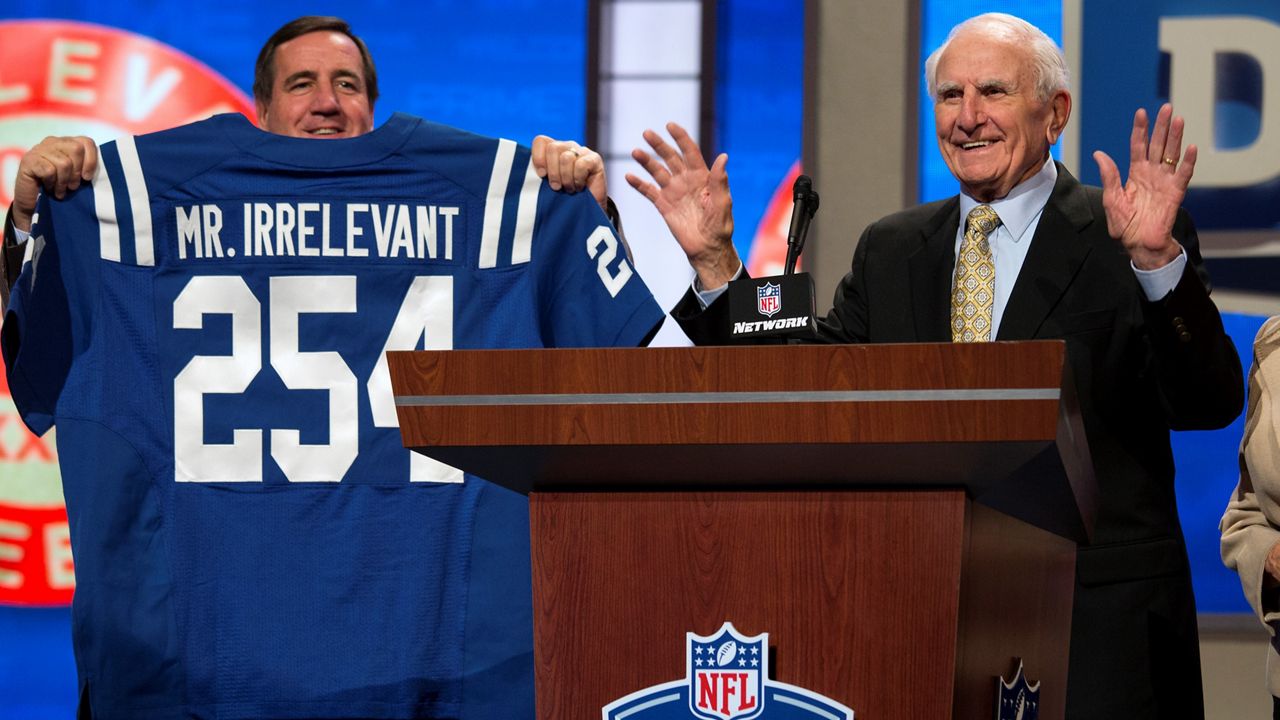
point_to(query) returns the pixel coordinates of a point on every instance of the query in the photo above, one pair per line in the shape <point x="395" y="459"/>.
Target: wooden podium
<point x="901" y="519"/>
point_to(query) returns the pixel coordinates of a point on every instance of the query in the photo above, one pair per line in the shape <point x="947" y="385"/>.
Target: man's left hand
<point x="1140" y="213"/>
<point x="570" y="167"/>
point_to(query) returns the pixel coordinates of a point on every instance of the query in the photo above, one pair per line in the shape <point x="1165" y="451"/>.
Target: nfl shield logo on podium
<point x="1017" y="699"/>
<point x="725" y="681"/>
<point x="726" y="678"/>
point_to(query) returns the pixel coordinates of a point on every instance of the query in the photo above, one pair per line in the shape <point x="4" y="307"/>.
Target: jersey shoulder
<point x="173" y="156"/>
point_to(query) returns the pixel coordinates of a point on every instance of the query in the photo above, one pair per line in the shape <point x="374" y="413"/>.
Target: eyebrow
<point x="982" y="85"/>
<point x="946" y="87"/>
<point x="312" y="75"/>
<point x="996" y="85"/>
<point x="300" y="75"/>
<point x="344" y="73"/>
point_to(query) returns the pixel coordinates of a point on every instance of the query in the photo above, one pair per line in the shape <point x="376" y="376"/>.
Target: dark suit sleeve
<point x="845" y="323"/>
<point x="1194" y="362"/>
<point x="10" y="259"/>
<point x="704" y="327"/>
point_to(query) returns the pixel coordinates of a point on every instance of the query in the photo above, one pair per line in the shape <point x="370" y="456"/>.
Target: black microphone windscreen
<point x="803" y="187"/>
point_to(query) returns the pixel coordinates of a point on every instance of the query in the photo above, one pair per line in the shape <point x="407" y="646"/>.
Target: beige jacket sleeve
<point x="1251" y="525"/>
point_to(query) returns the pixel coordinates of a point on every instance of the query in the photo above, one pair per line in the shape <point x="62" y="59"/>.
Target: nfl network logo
<point x="769" y="299"/>
<point x="726" y="678"/>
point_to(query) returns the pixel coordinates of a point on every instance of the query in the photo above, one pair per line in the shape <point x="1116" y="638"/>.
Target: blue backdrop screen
<point x="474" y="64"/>
<point x="759" y="109"/>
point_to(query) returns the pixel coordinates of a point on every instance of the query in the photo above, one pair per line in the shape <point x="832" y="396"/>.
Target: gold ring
<point x="1170" y="161"/>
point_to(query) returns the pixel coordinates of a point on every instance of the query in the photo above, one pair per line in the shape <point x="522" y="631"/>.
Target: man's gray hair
<point x="1048" y="65"/>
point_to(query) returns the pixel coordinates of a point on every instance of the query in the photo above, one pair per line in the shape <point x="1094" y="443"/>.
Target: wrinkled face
<point x="318" y="90"/>
<point x="993" y="130"/>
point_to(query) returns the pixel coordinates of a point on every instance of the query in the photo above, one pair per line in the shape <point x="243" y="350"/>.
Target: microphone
<point x="804" y="203"/>
<point x="781" y="306"/>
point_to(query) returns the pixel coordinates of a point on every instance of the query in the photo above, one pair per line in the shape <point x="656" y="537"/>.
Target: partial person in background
<point x="205" y="314"/>
<point x="1027" y="252"/>
<point x="1251" y="525"/>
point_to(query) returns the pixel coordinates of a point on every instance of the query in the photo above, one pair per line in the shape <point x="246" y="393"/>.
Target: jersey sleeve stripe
<point x="526" y="216"/>
<point x="493" y="205"/>
<point x="31" y="255"/>
<point x="104" y="205"/>
<point x="139" y="200"/>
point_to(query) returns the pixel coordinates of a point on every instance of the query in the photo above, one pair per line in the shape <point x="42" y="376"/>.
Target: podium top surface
<point x="847" y="393"/>
<point x="983" y="416"/>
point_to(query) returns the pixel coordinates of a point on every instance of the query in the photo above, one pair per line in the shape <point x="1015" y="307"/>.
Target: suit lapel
<point x="1055" y="256"/>
<point x="930" y="268"/>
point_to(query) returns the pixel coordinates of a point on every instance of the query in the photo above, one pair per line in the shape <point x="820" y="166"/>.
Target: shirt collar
<point x="1022" y="205"/>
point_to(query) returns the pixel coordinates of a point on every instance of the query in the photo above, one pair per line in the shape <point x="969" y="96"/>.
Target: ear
<point x="1060" y="112"/>
<point x="261" y="107"/>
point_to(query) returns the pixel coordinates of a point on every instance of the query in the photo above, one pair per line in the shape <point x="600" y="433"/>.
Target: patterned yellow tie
<point x="975" y="287"/>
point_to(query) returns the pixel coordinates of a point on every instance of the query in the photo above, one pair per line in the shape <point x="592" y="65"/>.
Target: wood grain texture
<point x="1025" y="457"/>
<point x="862" y="535"/>
<point x="898" y="604"/>
<point x="1015" y="602"/>
<point x="726" y="370"/>
<point x="859" y="592"/>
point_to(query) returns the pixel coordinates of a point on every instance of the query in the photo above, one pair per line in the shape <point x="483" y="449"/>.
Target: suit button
<point x="1184" y="336"/>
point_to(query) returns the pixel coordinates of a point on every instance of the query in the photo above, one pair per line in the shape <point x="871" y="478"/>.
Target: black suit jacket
<point x="1141" y="368"/>
<point x="10" y="259"/>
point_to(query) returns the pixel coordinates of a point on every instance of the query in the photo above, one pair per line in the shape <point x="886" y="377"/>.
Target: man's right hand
<point x="1272" y="567"/>
<point x="694" y="201"/>
<point x="57" y="165"/>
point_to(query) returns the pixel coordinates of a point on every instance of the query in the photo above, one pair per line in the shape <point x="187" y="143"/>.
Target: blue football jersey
<point x="206" y="323"/>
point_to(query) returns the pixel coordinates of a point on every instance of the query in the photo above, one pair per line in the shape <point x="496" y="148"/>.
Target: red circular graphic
<point x="107" y="75"/>
<point x="74" y="79"/>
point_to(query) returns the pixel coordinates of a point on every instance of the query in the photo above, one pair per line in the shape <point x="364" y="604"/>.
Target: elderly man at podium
<point x="1114" y="271"/>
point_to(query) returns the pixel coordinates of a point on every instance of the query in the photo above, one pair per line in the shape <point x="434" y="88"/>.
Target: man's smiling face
<point x="993" y="129"/>
<point x="318" y="90"/>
